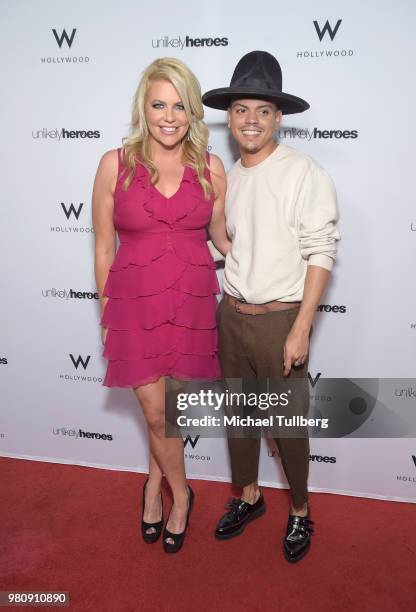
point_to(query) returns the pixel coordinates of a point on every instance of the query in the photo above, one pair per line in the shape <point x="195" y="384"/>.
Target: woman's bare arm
<point x="102" y="219"/>
<point x="216" y="226"/>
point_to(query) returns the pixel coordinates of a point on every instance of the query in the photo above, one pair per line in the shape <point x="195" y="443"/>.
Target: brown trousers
<point x="251" y="346"/>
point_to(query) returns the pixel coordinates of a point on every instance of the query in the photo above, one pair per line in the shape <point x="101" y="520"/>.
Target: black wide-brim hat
<point x="257" y="75"/>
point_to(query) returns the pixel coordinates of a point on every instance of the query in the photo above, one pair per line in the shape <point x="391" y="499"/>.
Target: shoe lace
<point x="304" y="525"/>
<point x="235" y="505"/>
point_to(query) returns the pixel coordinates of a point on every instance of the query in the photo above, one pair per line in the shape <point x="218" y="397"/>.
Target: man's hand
<point x="295" y="350"/>
<point x="297" y="342"/>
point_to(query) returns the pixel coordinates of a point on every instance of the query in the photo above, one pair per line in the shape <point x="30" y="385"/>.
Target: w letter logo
<point x="76" y="362"/>
<point x="64" y="36"/>
<point x="327" y="28"/>
<point x="192" y="441"/>
<point x="72" y="210"/>
<point x="313" y="381"/>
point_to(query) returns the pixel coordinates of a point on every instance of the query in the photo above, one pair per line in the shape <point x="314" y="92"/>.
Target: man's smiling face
<point x="252" y="123"/>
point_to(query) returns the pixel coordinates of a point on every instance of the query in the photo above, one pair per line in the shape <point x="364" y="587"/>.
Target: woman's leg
<point x="166" y="452"/>
<point x="153" y="500"/>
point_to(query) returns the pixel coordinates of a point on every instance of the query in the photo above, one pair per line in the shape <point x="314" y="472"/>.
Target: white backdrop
<point x="356" y="75"/>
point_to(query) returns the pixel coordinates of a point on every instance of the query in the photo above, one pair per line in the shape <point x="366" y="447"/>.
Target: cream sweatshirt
<point x="281" y="217"/>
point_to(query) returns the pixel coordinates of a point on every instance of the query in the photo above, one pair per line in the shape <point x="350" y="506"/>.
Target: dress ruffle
<point x="189" y="248"/>
<point x="163" y="340"/>
<point x="144" y="371"/>
<point x="171" y="306"/>
<point x="155" y="204"/>
<point x="161" y="311"/>
<point x="139" y="282"/>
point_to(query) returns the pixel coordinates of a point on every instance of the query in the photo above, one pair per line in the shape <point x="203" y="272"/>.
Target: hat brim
<point x="222" y="98"/>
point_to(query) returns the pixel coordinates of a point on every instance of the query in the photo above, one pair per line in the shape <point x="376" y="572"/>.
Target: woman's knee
<point x="156" y="422"/>
<point x="152" y="400"/>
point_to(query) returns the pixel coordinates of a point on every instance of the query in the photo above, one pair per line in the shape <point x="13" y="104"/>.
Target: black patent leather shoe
<point x="239" y="514"/>
<point x="153" y="536"/>
<point x="178" y="538"/>
<point x="298" y="537"/>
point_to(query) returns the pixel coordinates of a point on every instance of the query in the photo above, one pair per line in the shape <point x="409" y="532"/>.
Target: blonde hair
<point x="136" y="146"/>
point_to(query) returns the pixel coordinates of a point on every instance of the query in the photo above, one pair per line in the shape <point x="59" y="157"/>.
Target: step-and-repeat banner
<point x="69" y="71"/>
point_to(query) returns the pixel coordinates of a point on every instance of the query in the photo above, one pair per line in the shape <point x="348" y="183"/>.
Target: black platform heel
<point x="178" y="538"/>
<point x="149" y="538"/>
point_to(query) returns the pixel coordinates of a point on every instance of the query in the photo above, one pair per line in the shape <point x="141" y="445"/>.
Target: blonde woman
<point x="160" y="193"/>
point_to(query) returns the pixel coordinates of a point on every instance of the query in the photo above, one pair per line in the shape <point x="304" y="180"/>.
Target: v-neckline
<point x="178" y="189"/>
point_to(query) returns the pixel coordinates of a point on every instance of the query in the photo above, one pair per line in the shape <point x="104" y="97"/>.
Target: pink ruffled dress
<point x="161" y="311"/>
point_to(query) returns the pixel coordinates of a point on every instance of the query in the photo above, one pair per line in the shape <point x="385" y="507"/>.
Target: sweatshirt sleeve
<point x="317" y="218"/>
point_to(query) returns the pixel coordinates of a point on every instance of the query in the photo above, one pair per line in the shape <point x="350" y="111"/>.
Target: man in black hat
<point x="281" y="217"/>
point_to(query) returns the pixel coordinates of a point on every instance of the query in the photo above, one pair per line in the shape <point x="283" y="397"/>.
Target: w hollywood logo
<point x="72" y="213"/>
<point x="65" y="40"/>
<point x="408" y="478"/>
<point x="60" y="38"/>
<point x="326" y="33"/>
<point x="80" y="364"/>
<point x="189" y="454"/>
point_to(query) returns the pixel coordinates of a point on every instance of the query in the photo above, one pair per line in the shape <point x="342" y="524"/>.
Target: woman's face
<point x="165" y="115"/>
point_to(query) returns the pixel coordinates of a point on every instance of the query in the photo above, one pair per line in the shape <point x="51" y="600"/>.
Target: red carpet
<point x="76" y="529"/>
